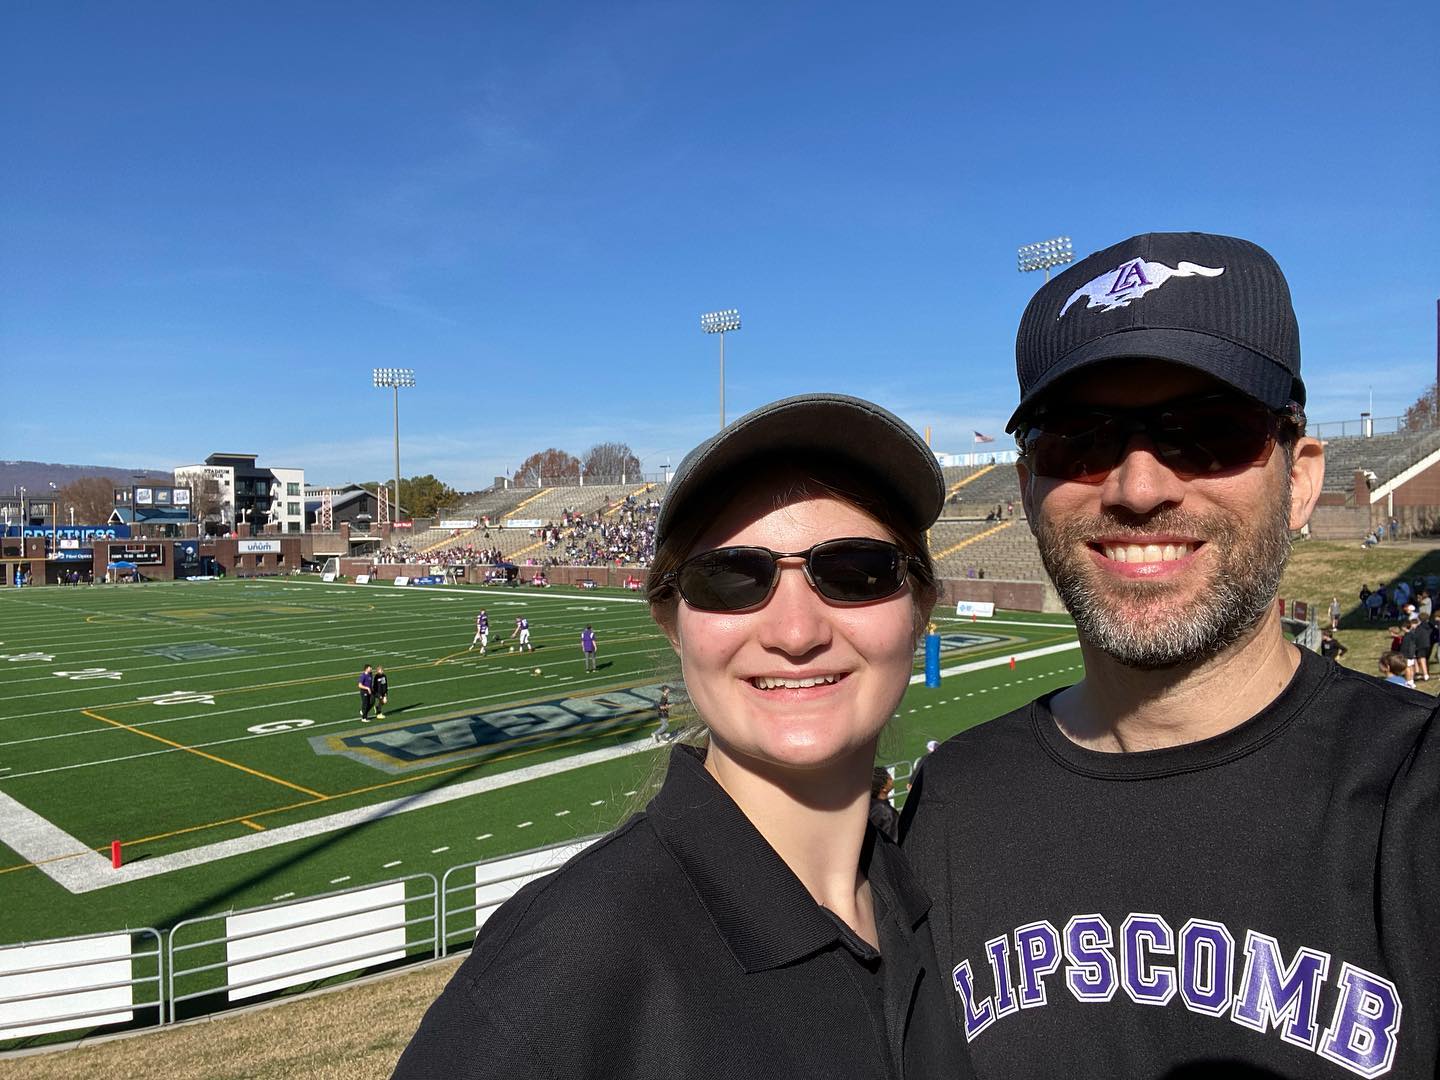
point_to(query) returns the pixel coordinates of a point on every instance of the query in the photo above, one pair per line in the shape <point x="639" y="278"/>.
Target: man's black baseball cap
<point x="871" y="443"/>
<point x="1214" y="303"/>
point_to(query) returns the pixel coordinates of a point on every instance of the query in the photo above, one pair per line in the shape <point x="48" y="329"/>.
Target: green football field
<point x="212" y="729"/>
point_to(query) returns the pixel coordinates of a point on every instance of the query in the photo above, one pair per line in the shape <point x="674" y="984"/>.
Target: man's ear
<point x="1307" y="476"/>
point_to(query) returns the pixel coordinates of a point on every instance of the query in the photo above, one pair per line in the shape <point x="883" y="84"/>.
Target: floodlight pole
<point x="1044" y="255"/>
<point x="395" y="378"/>
<point x="721" y="322"/>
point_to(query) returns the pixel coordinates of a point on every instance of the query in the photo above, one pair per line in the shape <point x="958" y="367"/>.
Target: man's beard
<point x="1147" y="624"/>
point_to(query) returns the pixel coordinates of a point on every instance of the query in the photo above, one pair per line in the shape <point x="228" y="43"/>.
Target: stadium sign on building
<point x="231" y="490"/>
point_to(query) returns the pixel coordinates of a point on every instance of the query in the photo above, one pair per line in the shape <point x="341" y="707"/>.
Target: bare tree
<point x="93" y="498"/>
<point x="205" y="496"/>
<point x="610" y="462"/>
<point x="550" y="466"/>
<point x="1423" y="414"/>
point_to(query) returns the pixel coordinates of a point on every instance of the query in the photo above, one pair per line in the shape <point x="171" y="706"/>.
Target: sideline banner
<point x="975" y="607"/>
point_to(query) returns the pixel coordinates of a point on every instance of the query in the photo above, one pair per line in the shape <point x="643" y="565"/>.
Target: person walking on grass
<point x="1330" y="646"/>
<point x="367" y="692"/>
<point x="587" y="646"/>
<point x="662" y="710"/>
<point x="382" y="692"/>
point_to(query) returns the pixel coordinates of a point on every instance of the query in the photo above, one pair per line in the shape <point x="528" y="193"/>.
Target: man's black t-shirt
<point x="1265" y="900"/>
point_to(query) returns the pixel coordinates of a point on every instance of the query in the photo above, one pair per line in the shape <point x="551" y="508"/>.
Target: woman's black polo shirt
<point x="681" y="945"/>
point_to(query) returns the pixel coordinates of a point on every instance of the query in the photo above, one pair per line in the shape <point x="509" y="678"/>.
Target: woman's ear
<point x="664" y="613"/>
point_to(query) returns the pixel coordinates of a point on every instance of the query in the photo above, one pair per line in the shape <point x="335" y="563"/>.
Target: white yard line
<point x="83" y="871"/>
<point x="998" y="661"/>
<point x="35" y="839"/>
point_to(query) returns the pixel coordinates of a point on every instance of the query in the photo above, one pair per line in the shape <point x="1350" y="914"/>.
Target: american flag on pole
<point x="983" y="438"/>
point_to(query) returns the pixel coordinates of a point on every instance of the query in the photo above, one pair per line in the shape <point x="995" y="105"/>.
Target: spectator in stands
<point x="749" y="923"/>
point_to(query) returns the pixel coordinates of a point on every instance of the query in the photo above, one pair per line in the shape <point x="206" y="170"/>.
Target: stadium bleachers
<point x="1005" y="550"/>
<point x="1385" y="455"/>
<point x="549" y="503"/>
<point x="971" y="491"/>
<point x="493" y="504"/>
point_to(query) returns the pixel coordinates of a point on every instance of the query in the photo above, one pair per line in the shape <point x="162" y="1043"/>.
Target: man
<point x="522" y="632"/>
<point x="662" y="710"/>
<point x="1216" y="853"/>
<point x="883" y="814"/>
<point x="482" y="632"/>
<point x="1330" y="646"/>
<point x="382" y="692"/>
<point x="587" y="647"/>
<point x="1414" y="645"/>
<point x="367" y="689"/>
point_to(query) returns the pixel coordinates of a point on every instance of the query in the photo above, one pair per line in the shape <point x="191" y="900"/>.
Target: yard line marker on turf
<point x="438" y="850"/>
<point x="203" y="754"/>
<point x="254" y="825"/>
<point x="525" y="824"/>
<point x="561" y="813"/>
<point x="486" y="836"/>
<point x="285" y="896"/>
<point x="392" y="865"/>
<point x="79" y="869"/>
<point x="629" y="793"/>
<point x="598" y="802"/>
<point x="339" y="880"/>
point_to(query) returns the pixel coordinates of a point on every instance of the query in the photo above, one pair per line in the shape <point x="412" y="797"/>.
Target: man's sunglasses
<point x="853" y="570"/>
<point x="1192" y="437"/>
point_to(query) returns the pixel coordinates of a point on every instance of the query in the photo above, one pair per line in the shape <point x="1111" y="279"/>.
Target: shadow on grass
<point x="1423" y="571"/>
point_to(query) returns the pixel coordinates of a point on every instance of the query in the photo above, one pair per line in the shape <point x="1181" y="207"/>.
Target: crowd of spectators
<point x="624" y="538"/>
<point x="1397" y="600"/>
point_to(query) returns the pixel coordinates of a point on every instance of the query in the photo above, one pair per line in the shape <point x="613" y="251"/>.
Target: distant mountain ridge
<point x="37" y="476"/>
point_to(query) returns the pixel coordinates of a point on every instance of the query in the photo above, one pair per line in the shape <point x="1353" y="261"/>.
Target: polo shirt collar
<point x="766" y="916"/>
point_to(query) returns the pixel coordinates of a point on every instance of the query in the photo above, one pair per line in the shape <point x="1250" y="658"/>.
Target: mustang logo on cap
<point x="1130" y="281"/>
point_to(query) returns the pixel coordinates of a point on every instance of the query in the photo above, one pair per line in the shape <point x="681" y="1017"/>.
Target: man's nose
<point x="1141" y="482"/>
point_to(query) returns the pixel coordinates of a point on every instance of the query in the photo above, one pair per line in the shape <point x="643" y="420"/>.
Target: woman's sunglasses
<point x="1192" y="437"/>
<point x="853" y="570"/>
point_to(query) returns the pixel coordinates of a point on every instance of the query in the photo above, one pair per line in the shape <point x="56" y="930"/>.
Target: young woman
<point x="749" y="923"/>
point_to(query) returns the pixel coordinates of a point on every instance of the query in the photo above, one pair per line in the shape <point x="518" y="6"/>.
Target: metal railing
<point x="204" y="973"/>
<point x="66" y="1019"/>
<point x="196" y="961"/>
<point x="1379" y="425"/>
<point x="474" y="883"/>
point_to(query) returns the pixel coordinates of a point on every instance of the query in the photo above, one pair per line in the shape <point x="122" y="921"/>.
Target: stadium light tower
<point x="1045" y="255"/>
<point x="721" y="322"/>
<point x="395" y="378"/>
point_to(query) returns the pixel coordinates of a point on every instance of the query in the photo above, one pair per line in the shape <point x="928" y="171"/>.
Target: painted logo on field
<point x="189" y="614"/>
<point x="957" y="641"/>
<point x="182" y="652"/>
<point x="423" y="744"/>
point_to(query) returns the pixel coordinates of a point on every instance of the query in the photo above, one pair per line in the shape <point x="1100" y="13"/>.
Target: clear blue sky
<point x="215" y="219"/>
